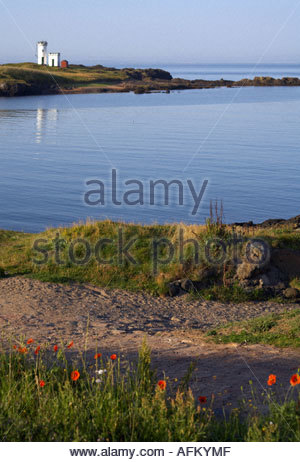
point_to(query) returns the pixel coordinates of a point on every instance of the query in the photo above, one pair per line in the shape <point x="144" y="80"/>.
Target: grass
<point x="126" y="402"/>
<point x="58" y="255"/>
<point x="230" y="294"/>
<point x="280" y="330"/>
<point x="42" y="77"/>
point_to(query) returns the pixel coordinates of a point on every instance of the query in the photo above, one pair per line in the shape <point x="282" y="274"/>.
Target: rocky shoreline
<point x="39" y="81"/>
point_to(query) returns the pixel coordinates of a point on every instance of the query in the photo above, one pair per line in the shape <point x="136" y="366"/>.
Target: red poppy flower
<point x="22" y="350"/>
<point x="55" y="348"/>
<point x="75" y="375"/>
<point x="113" y="357"/>
<point x="97" y="355"/>
<point x="295" y="380"/>
<point x="42" y="383"/>
<point x="37" y="350"/>
<point x="162" y="384"/>
<point x="202" y="399"/>
<point x="29" y="341"/>
<point x="15" y="347"/>
<point x="271" y="380"/>
<point x="70" y="344"/>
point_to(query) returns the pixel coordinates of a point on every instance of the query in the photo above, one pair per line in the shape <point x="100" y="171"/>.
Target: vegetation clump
<point x="280" y="330"/>
<point x="47" y="397"/>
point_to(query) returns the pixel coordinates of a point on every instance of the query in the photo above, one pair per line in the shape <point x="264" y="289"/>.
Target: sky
<point x="152" y="31"/>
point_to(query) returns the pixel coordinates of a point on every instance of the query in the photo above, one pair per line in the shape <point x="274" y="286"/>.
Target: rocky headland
<point x="31" y="79"/>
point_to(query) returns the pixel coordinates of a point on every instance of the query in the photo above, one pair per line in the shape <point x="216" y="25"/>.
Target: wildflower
<point x="75" y="375"/>
<point x="113" y="357"/>
<point x="202" y="399"/>
<point x="42" y="383"/>
<point x="97" y="355"/>
<point x="98" y="380"/>
<point x="70" y="344"/>
<point x="162" y="384"/>
<point x="55" y="348"/>
<point x="22" y="350"/>
<point x="101" y="371"/>
<point x="295" y="380"/>
<point x="271" y="380"/>
<point x="15" y="347"/>
<point x="29" y="341"/>
<point x="37" y="350"/>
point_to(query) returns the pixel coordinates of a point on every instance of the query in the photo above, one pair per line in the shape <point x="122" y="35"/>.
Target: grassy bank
<point x="20" y="79"/>
<point x="134" y="257"/>
<point x="27" y="78"/>
<point x="280" y="330"/>
<point x="45" y="397"/>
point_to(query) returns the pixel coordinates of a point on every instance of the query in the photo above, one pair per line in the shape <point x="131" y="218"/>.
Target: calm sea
<point x="245" y="142"/>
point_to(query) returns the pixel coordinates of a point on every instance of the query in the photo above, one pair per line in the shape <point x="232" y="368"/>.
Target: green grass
<point x="112" y="268"/>
<point x="280" y="330"/>
<point x="32" y="73"/>
<point x="124" y="403"/>
<point x="230" y="294"/>
<point x="43" y="77"/>
<point x="18" y="256"/>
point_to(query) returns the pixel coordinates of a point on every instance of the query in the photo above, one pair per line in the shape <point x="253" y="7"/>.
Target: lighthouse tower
<point x="42" y="52"/>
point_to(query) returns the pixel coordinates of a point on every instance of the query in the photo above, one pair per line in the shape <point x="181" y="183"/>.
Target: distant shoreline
<point x="26" y="79"/>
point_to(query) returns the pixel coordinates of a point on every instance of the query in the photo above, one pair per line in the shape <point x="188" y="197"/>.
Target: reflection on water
<point x="46" y="120"/>
<point x="245" y="142"/>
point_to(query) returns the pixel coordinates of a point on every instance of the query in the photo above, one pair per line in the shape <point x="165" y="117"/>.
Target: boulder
<point x="187" y="285"/>
<point x="174" y="288"/>
<point x="272" y="278"/>
<point x="291" y="292"/>
<point x="287" y="261"/>
<point x="206" y="274"/>
<point x="246" y="271"/>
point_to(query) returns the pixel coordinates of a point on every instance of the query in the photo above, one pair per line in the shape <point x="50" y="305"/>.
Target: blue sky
<point x="153" y="31"/>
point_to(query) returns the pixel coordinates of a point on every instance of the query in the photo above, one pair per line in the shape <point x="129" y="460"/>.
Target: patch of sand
<point x="116" y="321"/>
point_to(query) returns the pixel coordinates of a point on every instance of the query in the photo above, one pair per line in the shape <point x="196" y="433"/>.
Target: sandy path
<point x="118" y="321"/>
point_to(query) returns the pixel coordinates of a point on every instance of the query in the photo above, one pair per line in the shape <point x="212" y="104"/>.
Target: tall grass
<point x="124" y="402"/>
<point x="18" y="255"/>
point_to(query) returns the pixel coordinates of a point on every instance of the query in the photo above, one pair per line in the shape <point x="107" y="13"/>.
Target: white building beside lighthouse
<point x="54" y="59"/>
<point x="42" y="52"/>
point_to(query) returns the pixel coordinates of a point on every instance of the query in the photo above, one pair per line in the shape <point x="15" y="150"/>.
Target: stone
<point x="187" y="285"/>
<point x="246" y="271"/>
<point x="257" y="253"/>
<point x="174" y="288"/>
<point x="264" y="281"/>
<point x="287" y="261"/>
<point x="291" y="292"/>
<point x="272" y="277"/>
<point x="280" y="286"/>
<point x="206" y="273"/>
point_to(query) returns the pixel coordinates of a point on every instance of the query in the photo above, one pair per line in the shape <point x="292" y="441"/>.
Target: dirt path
<point x="118" y="321"/>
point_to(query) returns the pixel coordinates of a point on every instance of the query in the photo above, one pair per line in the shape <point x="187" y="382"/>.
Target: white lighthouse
<point x="42" y="52"/>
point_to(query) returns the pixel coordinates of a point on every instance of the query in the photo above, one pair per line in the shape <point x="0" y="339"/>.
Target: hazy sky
<point x="152" y="31"/>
